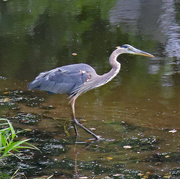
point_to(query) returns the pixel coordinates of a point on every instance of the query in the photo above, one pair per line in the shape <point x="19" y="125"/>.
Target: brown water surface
<point x="137" y="114"/>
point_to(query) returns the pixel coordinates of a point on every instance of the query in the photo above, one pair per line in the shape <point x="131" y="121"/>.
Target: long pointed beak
<point x="140" y="52"/>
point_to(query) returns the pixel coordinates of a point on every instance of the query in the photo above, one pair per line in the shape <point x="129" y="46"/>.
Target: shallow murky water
<point x="136" y="114"/>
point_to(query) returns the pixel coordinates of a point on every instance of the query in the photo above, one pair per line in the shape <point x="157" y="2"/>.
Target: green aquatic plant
<point x="8" y="145"/>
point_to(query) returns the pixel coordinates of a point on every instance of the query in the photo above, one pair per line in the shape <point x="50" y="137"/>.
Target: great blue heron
<point x="77" y="79"/>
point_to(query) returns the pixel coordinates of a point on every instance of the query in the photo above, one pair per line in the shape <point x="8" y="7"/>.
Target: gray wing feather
<point x="64" y="79"/>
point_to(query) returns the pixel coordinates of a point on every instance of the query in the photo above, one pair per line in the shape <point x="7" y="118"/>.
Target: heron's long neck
<point x="100" y="80"/>
<point x="116" y="66"/>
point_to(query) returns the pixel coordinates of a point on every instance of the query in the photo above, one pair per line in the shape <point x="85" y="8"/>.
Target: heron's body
<point x="65" y="79"/>
<point x="76" y="79"/>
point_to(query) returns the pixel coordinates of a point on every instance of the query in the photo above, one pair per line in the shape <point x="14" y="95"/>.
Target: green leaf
<point x="14" y="145"/>
<point x="7" y="144"/>
<point x="3" y="141"/>
<point x="13" y="133"/>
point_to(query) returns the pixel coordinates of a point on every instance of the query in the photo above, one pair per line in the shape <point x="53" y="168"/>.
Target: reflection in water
<point x="171" y="29"/>
<point x="138" y="17"/>
<point x="77" y="152"/>
<point x="125" y="13"/>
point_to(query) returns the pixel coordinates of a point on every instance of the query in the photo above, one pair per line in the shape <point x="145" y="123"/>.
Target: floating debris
<point x="127" y="147"/>
<point x="6" y="92"/>
<point x="109" y="158"/>
<point x="167" y="176"/>
<point x="140" y="174"/>
<point x="3" y="78"/>
<point x="117" y="175"/>
<point x="20" y="96"/>
<point x="92" y="129"/>
<point x="173" y="131"/>
<point x="5" y="100"/>
<point x="74" y="54"/>
<point x="27" y="118"/>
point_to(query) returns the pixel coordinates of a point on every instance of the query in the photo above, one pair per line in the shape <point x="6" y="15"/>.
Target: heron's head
<point x="131" y="50"/>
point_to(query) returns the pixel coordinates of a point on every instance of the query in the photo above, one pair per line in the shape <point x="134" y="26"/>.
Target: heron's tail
<point x="38" y="80"/>
<point x="34" y="85"/>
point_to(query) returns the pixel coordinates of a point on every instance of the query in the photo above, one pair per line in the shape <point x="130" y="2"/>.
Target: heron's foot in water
<point x="75" y="129"/>
<point x="87" y="130"/>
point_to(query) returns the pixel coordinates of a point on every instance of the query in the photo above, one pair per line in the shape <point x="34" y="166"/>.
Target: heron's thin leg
<point x="79" y="124"/>
<point x="74" y="118"/>
<point x="75" y="129"/>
